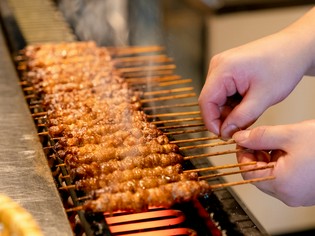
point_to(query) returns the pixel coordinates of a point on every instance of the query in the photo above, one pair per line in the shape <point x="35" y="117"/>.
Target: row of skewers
<point x="93" y="108"/>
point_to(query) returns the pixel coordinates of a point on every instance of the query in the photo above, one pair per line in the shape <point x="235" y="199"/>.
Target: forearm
<point x="302" y="33"/>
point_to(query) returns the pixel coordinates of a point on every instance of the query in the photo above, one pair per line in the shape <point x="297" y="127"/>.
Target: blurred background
<point x="192" y="31"/>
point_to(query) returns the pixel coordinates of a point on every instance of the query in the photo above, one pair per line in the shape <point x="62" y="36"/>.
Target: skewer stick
<point x="30" y="96"/>
<point x="181" y="126"/>
<point x="22" y="83"/>
<point x="224" y="185"/>
<point x="37" y="102"/>
<point x="35" y="106"/>
<point x="168" y="97"/>
<point x="231" y="141"/>
<point x="176" y="120"/>
<point x="143" y="59"/>
<point x="84" y="198"/>
<point x="67" y="187"/>
<point x="186" y="131"/>
<point x="146" y="68"/>
<point x="145" y="74"/>
<point x="175" y="114"/>
<point x="233" y="172"/>
<point x="44" y="113"/>
<point x="77" y="208"/>
<point x="43" y="133"/>
<point x="28" y="89"/>
<point x="64" y="176"/>
<point x="167" y="91"/>
<point x="211" y="154"/>
<point x="171" y="106"/>
<point x="183" y="81"/>
<point x="152" y="79"/>
<point x="120" y="51"/>
<point x="213" y="168"/>
<point x="61" y="165"/>
<point x="194" y="140"/>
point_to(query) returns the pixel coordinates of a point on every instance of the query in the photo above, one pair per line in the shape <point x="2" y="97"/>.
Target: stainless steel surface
<point x="40" y="21"/>
<point x="24" y="173"/>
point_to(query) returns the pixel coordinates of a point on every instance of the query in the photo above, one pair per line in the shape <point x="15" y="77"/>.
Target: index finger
<point x="212" y="97"/>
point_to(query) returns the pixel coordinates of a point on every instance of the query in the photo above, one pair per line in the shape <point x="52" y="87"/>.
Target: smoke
<point x="115" y="22"/>
<point x="104" y="21"/>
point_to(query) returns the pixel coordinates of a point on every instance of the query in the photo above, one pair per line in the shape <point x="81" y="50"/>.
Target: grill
<point x="173" y="109"/>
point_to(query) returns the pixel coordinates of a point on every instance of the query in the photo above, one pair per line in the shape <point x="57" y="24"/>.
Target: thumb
<point x="262" y="138"/>
<point x="242" y="116"/>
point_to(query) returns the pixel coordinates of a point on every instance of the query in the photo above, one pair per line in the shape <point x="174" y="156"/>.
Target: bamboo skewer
<point x="176" y="120"/>
<point x="181" y="126"/>
<point x="188" y="95"/>
<point x="25" y="89"/>
<point x="194" y="140"/>
<point x="186" y="131"/>
<point x="231" y="141"/>
<point x="211" y="154"/>
<point x="176" y="82"/>
<point x="146" y="68"/>
<point x="35" y="106"/>
<point x="145" y="74"/>
<point x="65" y="176"/>
<point x="152" y="79"/>
<point x="67" y="187"/>
<point x="23" y="83"/>
<point x="43" y="133"/>
<point x="168" y="91"/>
<point x="225" y="185"/>
<point x="149" y="59"/>
<point x="30" y="96"/>
<point x="171" y="106"/>
<point x="61" y="165"/>
<point x="233" y="172"/>
<point x="37" y="114"/>
<point x="187" y="113"/>
<point x="213" y="168"/>
<point x="121" y="51"/>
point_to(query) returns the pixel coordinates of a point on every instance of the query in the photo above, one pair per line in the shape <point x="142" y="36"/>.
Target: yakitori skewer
<point x="213" y="168"/>
<point x="230" y="184"/>
<point x="168" y="91"/>
<point x="164" y="98"/>
<point x="231" y="141"/>
<point x="190" y="104"/>
<point x="191" y="140"/>
<point x="181" y="126"/>
<point x="211" y="154"/>
<point x="186" y="132"/>
<point x="220" y="174"/>
<point x="174" y="114"/>
<point x="176" y="120"/>
<point x="146" y="68"/>
<point x="152" y="79"/>
<point x="122" y="51"/>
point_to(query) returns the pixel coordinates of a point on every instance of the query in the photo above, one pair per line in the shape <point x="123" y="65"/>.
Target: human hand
<point x="291" y="149"/>
<point x="263" y="73"/>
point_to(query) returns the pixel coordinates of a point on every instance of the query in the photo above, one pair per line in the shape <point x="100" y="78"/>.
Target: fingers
<point x="263" y="138"/>
<point x="263" y="159"/>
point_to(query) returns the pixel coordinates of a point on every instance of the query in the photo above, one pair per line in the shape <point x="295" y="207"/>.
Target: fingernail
<point x="241" y="135"/>
<point x="228" y="131"/>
